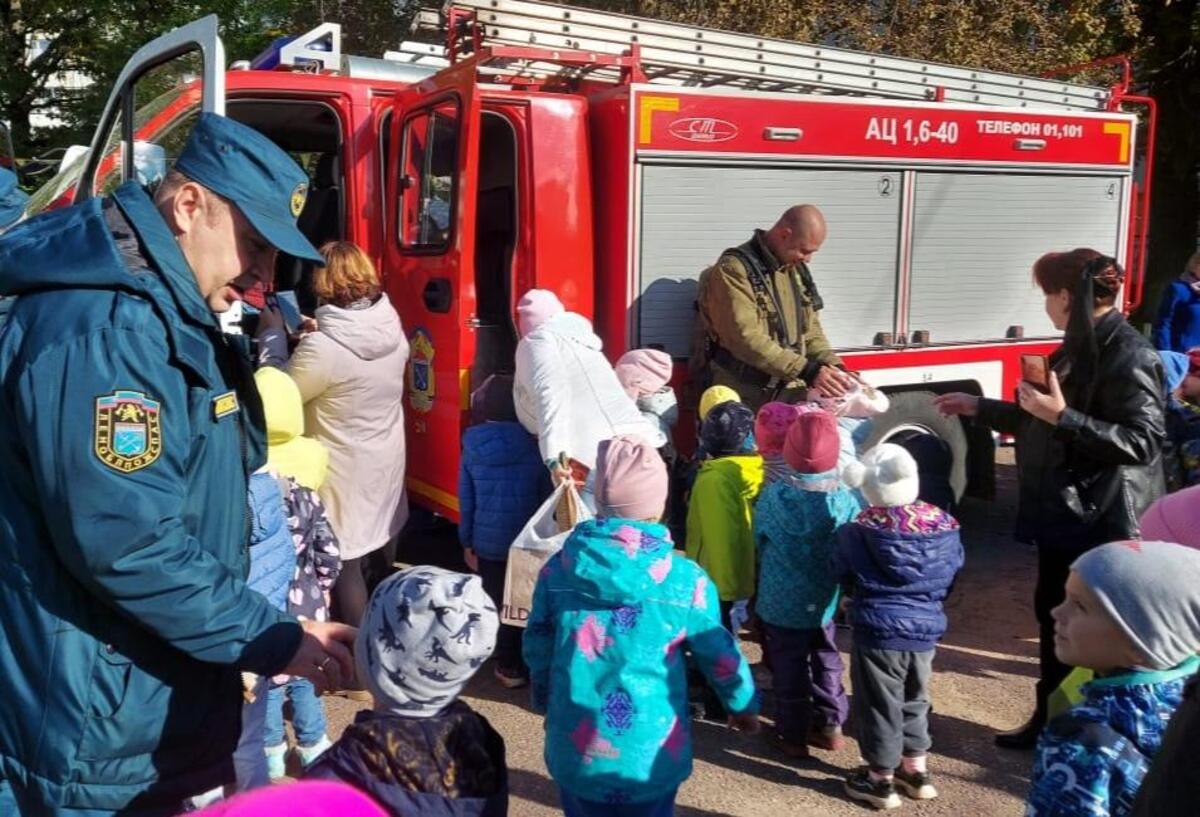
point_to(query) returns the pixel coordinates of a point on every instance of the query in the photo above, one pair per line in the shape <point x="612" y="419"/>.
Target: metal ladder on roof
<point x="684" y="55"/>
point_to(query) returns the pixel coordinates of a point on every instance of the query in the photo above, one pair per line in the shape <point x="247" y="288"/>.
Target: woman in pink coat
<point x="351" y="376"/>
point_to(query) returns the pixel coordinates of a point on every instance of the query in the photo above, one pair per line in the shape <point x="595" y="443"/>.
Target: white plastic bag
<point x="542" y="537"/>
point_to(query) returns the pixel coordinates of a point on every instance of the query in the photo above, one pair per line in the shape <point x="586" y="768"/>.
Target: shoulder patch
<point x="127" y="435"/>
<point x="225" y="404"/>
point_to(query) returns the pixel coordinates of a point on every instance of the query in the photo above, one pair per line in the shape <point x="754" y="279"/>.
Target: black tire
<point x="915" y="408"/>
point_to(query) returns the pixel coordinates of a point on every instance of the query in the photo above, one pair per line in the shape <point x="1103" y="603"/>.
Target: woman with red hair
<point x="1089" y="447"/>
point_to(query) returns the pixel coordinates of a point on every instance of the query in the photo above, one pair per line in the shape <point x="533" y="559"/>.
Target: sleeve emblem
<point x="127" y="434"/>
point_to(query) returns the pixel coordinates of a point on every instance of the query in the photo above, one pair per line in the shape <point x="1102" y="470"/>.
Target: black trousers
<point x="358" y="580"/>
<point x="1053" y="568"/>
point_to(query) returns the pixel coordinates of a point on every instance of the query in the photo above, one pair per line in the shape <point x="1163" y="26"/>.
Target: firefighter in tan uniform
<point x="759" y="330"/>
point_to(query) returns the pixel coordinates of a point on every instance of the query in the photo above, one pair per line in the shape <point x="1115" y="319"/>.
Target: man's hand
<point x="308" y="325"/>
<point x="324" y="655"/>
<point x="1046" y="407"/>
<point x="472" y="559"/>
<point x="957" y="404"/>
<point x="745" y="722"/>
<point x="832" y="382"/>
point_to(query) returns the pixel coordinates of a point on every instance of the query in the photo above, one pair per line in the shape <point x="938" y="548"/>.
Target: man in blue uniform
<point x="128" y="426"/>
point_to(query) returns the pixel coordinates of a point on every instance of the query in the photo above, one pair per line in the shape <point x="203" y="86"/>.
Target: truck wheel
<point x="938" y="443"/>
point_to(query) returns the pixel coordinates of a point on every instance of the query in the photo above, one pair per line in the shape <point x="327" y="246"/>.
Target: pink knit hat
<point x="771" y="426"/>
<point x="812" y="443"/>
<point x="535" y="308"/>
<point x="1174" y="518"/>
<point x="631" y="479"/>
<point x="642" y="372"/>
<point x="308" y="798"/>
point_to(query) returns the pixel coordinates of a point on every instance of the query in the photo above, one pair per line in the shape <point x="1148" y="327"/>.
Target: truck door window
<point x="428" y="187"/>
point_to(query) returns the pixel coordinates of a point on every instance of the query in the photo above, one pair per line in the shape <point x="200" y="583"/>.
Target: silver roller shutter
<point x="976" y="236"/>
<point x="690" y="213"/>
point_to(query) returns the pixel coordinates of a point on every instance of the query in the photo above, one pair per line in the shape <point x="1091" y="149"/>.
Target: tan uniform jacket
<point x="785" y="345"/>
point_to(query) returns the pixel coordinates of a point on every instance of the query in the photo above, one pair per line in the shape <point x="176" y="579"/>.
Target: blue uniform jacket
<point x="1177" y="327"/>
<point x="128" y="428"/>
<point x="1091" y="760"/>
<point x="501" y="482"/>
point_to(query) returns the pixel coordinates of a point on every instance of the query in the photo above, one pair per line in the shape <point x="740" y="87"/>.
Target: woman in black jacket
<point x="1089" y="450"/>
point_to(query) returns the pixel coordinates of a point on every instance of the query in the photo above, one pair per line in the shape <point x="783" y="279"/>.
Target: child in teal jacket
<point x="613" y="613"/>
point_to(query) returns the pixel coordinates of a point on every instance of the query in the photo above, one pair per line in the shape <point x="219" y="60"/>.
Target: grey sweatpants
<point x="891" y="704"/>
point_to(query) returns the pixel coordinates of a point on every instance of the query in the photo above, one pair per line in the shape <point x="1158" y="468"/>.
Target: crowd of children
<point x="790" y="520"/>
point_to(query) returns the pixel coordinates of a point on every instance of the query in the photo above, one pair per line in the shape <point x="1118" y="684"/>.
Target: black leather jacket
<point x="1087" y="480"/>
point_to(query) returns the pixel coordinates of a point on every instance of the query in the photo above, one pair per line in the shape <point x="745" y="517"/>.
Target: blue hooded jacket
<point x="128" y="429"/>
<point x="613" y="613"/>
<point x="1091" y="759"/>
<point x="502" y="481"/>
<point x="795" y="529"/>
<point x="272" y="553"/>
<point x="901" y="563"/>
<point x="1177" y="327"/>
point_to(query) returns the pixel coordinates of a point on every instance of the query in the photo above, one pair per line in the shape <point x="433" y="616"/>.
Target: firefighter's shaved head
<point x="798" y="234"/>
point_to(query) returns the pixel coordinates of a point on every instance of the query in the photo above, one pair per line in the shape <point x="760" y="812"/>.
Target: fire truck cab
<point x="611" y="159"/>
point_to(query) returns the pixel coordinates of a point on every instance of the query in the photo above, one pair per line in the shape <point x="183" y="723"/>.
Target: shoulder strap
<point x="757" y="275"/>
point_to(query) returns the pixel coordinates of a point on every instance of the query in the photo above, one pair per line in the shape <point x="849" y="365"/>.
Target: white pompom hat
<point x="887" y="476"/>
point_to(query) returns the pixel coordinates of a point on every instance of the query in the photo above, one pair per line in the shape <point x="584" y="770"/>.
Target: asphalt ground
<point x="983" y="681"/>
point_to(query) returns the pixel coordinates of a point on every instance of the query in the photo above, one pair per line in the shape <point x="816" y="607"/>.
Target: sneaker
<point x="796" y="751"/>
<point x="509" y="678"/>
<point x="829" y="738"/>
<point x="917" y="785"/>
<point x="277" y="761"/>
<point x="308" y="754"/>
<point x="881" y="794"/>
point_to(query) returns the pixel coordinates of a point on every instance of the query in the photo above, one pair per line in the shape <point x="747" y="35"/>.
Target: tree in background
<point x="95" y="37"/>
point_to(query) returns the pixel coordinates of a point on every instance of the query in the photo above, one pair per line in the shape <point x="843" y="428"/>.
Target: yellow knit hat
<point x="715" y="396"/>
<point x="288" y="453"/>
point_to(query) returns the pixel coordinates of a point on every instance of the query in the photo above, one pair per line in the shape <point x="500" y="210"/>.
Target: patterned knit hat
<point x="425" y="633"/>
<point x="771" y="426"/>
<point x="728" y="430"/>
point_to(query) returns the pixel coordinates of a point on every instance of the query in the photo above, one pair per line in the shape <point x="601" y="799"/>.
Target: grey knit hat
<point x="425" y="633"/>
<point x="1152" y="590"/>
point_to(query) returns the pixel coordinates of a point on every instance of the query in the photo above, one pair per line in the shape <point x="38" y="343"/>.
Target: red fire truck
<point x="611" y="159"/>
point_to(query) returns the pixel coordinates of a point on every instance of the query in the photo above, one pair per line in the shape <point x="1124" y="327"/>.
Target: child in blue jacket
<point x="1132" y="614"/>
<point x="272" y="560"/>
<point x="795" y="528"/>
<point x="502" y="481"/>
<point x="613" y="613"/>
<point x="899" y="557"/>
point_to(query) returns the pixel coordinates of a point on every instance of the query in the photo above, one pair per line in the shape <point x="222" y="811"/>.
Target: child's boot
<point x="277" y="761"/>
<point x="310" y="753"/>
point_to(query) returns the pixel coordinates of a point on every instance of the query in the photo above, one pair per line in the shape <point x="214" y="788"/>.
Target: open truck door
<point x="429" y="268"/>
<point x="176" y="68"/>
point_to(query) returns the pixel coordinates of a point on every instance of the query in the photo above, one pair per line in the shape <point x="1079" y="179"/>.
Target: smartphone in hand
<point x="1035" y="370"/>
